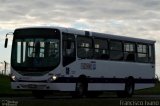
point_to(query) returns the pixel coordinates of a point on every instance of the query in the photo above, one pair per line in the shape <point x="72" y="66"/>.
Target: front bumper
<point x="43" y="86"/>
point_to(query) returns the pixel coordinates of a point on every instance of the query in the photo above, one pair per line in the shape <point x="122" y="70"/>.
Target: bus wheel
<point x="81" y="88"/>
<point x="129" y="89"/>
<point x="38" y="94"/>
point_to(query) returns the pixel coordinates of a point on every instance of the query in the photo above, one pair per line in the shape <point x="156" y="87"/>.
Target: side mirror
<point x="6" y="43"/>
<point x="6" y="40"/>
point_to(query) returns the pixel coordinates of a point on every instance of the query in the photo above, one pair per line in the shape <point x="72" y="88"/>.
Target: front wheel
<point x="80" y="90"/>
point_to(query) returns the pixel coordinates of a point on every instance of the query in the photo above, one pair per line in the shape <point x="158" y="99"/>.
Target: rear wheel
<point x="129" y="89"/>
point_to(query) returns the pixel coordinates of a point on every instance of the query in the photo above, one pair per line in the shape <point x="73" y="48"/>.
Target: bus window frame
<point x="74" y="52"/>
<point x="133" y="52"/>
<point x="147" y="56"/>
<point x="115" y="40"/>
<point x="91" y="48"/>
<point x="152" y="60"/>
<point x="100" y="38"/>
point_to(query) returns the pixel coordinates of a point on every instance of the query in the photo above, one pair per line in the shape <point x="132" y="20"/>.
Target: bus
<point x="85" y="63"/>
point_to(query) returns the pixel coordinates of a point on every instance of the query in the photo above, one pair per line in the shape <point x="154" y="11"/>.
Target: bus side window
<point x="129" y="51"/>
<point x="142" y="53"/>
<point x="68" y="49"/>
<point x="151" y="54"/>
<point x="116" y="51"/>
<point x="101" y="49"/>
<point x="84" y="47"/>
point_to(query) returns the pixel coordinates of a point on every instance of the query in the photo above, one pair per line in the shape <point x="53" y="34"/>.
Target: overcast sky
<point x="134" y="18"/>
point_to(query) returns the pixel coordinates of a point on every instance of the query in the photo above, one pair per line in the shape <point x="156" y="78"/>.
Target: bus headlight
<point x="13" y="77"/>
<point x="54" y="77"/>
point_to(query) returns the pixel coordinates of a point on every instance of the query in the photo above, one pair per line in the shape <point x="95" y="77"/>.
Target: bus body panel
<point x="43" y="86"/>
<point x="96" y="70"/>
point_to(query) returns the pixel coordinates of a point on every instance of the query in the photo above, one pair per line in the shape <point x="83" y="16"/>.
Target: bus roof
<point x="123" y="38"/>
<point x="111" y="36"/>
<point x="96" y="34"/>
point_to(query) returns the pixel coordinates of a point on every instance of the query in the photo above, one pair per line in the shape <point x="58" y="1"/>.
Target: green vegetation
<point x="150" y="91"/>
<point x="4" y="84"/>
<point x="5" y="87"/>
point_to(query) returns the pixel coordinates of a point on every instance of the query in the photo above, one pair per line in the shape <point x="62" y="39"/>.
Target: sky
<point x="133" y="18"/>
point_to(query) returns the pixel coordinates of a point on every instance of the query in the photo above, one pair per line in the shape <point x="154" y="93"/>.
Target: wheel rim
<point x="130" y="90"/>
<point x="80" y="88"/>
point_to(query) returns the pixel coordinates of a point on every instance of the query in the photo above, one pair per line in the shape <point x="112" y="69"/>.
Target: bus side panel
<point x="105" y="86"/>
<point x="113" y="69"/>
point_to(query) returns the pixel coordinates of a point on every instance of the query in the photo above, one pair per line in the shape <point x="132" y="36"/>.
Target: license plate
<point x="32" y="86"/>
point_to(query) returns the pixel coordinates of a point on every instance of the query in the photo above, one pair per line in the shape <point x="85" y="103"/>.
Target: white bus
<point x="86" y="63"/>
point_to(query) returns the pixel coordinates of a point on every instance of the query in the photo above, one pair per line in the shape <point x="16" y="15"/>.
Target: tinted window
<point x="129" y="51"/>
<point x="100" y="49"/>
<point x="37" y="54"/>
<point x="129" y="47"/>
<point x="116" y="45"/>
<point x="84" y="45"/>
<point x="151" y="54"/>
<point x="142" y="53"/>
<point x="69" y="54"/>
<point x="116" y="52"/>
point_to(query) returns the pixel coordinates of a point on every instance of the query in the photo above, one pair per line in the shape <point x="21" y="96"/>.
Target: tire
<point x="81" y="89"/>
<point x="38" y="94"/>
<point x="129" y="89"/>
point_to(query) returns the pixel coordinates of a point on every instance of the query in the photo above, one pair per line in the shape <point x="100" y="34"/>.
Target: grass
<point x="4" y="84"/>
<point x="5" y="87"/>
<point x="150" y="91"/>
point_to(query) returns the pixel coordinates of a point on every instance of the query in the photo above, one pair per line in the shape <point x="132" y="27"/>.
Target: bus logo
<point x="88" y="66"/>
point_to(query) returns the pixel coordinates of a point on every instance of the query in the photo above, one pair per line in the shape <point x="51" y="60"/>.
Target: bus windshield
<point x="35" y="54"/>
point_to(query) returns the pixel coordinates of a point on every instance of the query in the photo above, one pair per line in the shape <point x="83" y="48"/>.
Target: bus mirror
<point x="6" y="40"/>
<point x="6" y="43"/>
